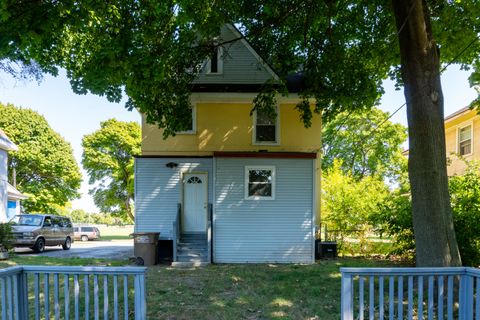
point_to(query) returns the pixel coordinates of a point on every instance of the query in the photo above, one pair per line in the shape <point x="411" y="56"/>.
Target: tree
<point x="153" y="50"/>
<point x="108" y="157"/>
<point x="44" y="164"/>
<point x="348" y="202"/>
<point x="366" y="143"/>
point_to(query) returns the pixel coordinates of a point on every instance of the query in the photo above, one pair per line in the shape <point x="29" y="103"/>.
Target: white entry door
<point x="195" y="188"/>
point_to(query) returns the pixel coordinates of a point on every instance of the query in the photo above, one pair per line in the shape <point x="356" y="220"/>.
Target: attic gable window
<point x="266" y="127"/>
<point x="465" y="140"/>
<point x="215" y="62"/>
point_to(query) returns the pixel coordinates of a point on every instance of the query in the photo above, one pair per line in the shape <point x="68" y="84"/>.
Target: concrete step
<point x="186" y="264"/>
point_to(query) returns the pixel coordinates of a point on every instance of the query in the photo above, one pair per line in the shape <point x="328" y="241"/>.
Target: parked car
<point x="39" y="230"/>
<point x="86" y="233"/>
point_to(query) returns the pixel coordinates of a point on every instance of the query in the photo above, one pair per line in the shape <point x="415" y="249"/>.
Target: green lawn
<point x="256" y="291"/>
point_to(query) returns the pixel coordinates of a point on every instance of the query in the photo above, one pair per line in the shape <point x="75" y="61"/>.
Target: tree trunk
<point x="435" y="240"/>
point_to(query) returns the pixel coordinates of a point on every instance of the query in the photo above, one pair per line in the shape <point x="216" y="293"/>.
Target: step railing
<point x="209" y="233"/>
<point x="176" y="231"/>
<point x="71" y="292"/>
<point x="410" y="293"/>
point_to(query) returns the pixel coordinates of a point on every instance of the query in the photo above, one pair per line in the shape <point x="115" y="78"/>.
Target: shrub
<point x="6" y="237"/>
<point x="396" y="217"/>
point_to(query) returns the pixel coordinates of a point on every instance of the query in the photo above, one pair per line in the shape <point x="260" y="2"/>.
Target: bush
<point x="396" y="217"/>
<point x="6" y="237"/>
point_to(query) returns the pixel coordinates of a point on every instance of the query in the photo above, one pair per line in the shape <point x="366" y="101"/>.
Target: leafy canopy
<point x="366" y="143"/>
<point x="44" y="164"/>
<point x="152" y="50"/>
<point x="108" y="157"/>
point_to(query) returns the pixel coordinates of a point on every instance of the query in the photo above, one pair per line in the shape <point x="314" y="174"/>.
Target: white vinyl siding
<point x="158" y="190"/>
<point x="247" y="231"/>
<point x="3" y="185"/>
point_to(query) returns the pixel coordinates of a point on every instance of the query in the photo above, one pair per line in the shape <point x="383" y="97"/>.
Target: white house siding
<point x="251" y="231"/>
<point x="158" y="190"/>
<point x="3" y="185"/>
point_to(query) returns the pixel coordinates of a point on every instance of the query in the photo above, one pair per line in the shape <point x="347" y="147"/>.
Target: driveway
<point x="114" y="249"/>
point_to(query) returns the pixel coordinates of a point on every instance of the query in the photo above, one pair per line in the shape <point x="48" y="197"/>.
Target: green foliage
<point x="396" y="217"/>
<point x="347" y="204"/>
<point x="44" y="164"/>
<point x="6" y="237"/>
<point x="365" y="147"/>
<point x="81" y="216"/>
<point x="465" y="200"/>
<point x="344" y="49"/>
<point x="108" y="158"/>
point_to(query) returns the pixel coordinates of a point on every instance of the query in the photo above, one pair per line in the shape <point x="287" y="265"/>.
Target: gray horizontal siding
<point x="240" y="66"/>
<point x="158" y="190"/>
<point x="277" y="230"/>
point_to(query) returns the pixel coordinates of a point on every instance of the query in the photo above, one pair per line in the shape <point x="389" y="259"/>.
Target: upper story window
<point x="215" y="62"/>
<point x="260" y="182"/>
<point x="191" y="127"/>
<point x="266" y="127"/>
<point x="465" y="140"/>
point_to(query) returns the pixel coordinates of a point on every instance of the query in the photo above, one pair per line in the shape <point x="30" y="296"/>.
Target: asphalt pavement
<point x="114" y="249"/>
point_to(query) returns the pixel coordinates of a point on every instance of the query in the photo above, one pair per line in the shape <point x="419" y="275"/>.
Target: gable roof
<point x="14" y="194"/>
<point x="244" y="70"/>
<point x="457" y="113"/>
<point x="5" y="143"/>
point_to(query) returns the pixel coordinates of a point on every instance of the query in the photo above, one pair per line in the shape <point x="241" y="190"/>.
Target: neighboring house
<point x="234" y="188"/>
<point x="7" y="191"/>
<point x="462" y="139"/>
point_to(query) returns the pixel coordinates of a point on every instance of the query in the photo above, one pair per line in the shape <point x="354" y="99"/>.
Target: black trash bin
<point x="145" y="247"/>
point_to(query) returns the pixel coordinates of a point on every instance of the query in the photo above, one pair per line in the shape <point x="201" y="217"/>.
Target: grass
<point x="109" y="233"/>
<point x="48" y="261"/>
<point x="255" y="291"/>
<point x="249" y="291"/>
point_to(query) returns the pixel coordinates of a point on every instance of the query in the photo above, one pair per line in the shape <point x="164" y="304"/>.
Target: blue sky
<point x="73" y="115"/>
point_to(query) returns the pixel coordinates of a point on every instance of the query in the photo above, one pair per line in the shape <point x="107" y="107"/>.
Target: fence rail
<point x="410" y="293"/>
<point x="70" y="292"/>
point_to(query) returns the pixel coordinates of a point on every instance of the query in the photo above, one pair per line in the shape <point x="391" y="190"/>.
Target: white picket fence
<point x="410" y="293"/>
<point x="70" y="292"/>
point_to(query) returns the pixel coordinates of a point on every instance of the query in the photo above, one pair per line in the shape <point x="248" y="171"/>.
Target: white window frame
<point x="459" y="128"/>
<point x="247" y="171"/>
<point x="194" y="122"/>
<point x="277" y="131"/>
<point x="219" y="63"/>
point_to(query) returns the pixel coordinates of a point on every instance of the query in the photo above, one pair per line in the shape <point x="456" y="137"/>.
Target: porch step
<point x="192" y="248"/>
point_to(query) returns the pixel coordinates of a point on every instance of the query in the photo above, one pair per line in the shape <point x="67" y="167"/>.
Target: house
<point x="462" y="139"/>
<point x="235" y="188"/>
<point x="5" y="188"/>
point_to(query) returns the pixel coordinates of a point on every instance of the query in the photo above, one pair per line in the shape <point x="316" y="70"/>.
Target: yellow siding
<point x="228" y="127"/>
<point x="457" y="166"/>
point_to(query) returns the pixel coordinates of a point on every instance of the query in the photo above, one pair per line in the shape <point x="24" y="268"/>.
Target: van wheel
<point x="67" y="244"/>
<point x="39" y="246"/>
<point x="84" y="238"/>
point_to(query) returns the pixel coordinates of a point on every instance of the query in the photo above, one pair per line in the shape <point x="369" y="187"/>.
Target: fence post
<point x="347" y="296"/>
<point x="23" y="293"/>
<point x="140" y="297"/>
<point x="465" y="297"/>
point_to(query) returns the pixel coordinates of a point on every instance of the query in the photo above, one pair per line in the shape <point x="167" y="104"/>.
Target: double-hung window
<point x="465" y="140"/>
<point x="215" y="61"/>
<point x="266" y="127"/>
<point x="191" y="125"/>
<point x="260" y="182"/>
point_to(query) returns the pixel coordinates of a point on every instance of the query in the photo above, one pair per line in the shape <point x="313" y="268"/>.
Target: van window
<point x="87" y="229"/>
<point x="47" y="222"/>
